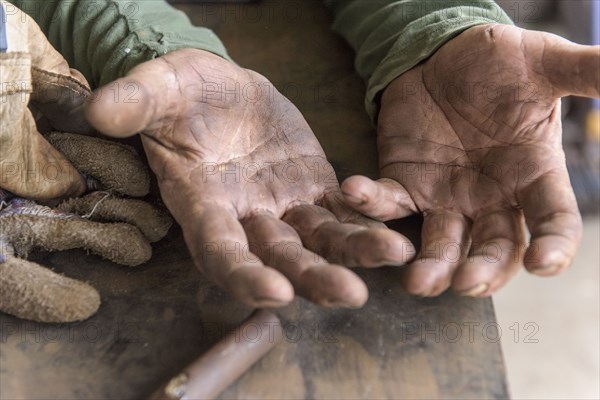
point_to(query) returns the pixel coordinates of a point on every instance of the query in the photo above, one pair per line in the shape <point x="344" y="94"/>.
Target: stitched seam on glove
<point x="83" y="89"/>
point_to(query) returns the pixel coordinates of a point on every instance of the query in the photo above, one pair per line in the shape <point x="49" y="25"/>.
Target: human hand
<point x="471" y="138"/>
<point x="117" y="228"/>
<point x="32" y="70"/>
<point x="243" y="174"/>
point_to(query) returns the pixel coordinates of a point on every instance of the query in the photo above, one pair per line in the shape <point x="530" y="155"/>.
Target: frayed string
<point x="89" y="215"/>
<point x="19" y="206"/>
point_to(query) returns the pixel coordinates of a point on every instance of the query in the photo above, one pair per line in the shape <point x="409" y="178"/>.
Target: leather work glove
<point x="34" y="74"/>
<point x="118" y="229"/>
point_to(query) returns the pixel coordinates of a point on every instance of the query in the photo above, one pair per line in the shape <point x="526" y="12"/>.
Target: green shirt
<point x="389" y="36"/>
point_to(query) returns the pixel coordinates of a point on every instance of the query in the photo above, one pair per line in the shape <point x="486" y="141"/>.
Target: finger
<point x="32" y="292"/>
<point x="572" y="69"/>
<point x="347" y="244"/>
<point x="101" y="206"/>
<point x="554" y="222"/>
<point x="498" y="240"/>
<point x="220" y="249"/>
<point x="444" y="245"/>
<point x="135" y="103"/>
<point x="336" y="203"/>
<point x="383" y="200"/>
<point x="278" y="245"/>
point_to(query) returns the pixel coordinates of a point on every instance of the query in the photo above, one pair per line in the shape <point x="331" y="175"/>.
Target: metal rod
<point x="224" y="363"/>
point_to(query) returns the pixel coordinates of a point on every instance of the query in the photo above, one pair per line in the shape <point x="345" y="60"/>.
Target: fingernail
<point x="354" y="199"/>
<point x="475" y="290"/>
<point x="339" y="302"/>
<point x="423" y="295"/>
<point x="269" y="302"/>
<point x="547" y="270"/>
<point x="342" y="304"/>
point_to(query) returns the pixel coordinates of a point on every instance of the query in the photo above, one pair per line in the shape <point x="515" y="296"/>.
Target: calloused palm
<point x="245" y="177"/>
<point x="471" y="138"/>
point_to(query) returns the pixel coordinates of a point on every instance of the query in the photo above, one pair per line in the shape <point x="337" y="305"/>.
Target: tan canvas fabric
<point x="33" y="74"/>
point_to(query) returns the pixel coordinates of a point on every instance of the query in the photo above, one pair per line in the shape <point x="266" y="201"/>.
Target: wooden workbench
<point x="158" y="317"/>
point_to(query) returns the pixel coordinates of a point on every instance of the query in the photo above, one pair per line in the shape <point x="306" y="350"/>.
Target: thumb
<point x="383" y="200"/>
<point x="571" y="68"/>
<point x="131" y="104"/>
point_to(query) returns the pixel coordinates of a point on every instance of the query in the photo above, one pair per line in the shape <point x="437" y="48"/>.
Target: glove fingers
<point x="57" y="91"/>
<point x="30" y="166"/>
<point x="61" y="99"/>
<point x="29" y="291"/>
<point x="118" y="167"/>
<point x="118" y="242"/>
<point x="99" y="206"/>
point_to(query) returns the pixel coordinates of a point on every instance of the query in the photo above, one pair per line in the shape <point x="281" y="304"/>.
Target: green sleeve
<point x="106" y="38"/>
<point x="392" y="36"/>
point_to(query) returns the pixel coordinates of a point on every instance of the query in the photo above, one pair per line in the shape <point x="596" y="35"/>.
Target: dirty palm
<point x="180" y="137"/>
<point x="239" y="231"/>
<point x="202" y="149"/>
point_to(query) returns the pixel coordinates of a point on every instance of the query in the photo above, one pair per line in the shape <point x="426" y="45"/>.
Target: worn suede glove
<point x="30" y="291"/>
<point x="34" y="74"/>
<point x="36" y="80"/>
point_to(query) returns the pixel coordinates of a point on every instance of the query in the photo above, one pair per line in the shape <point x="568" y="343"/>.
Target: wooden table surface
<point x="158" y="317"/>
